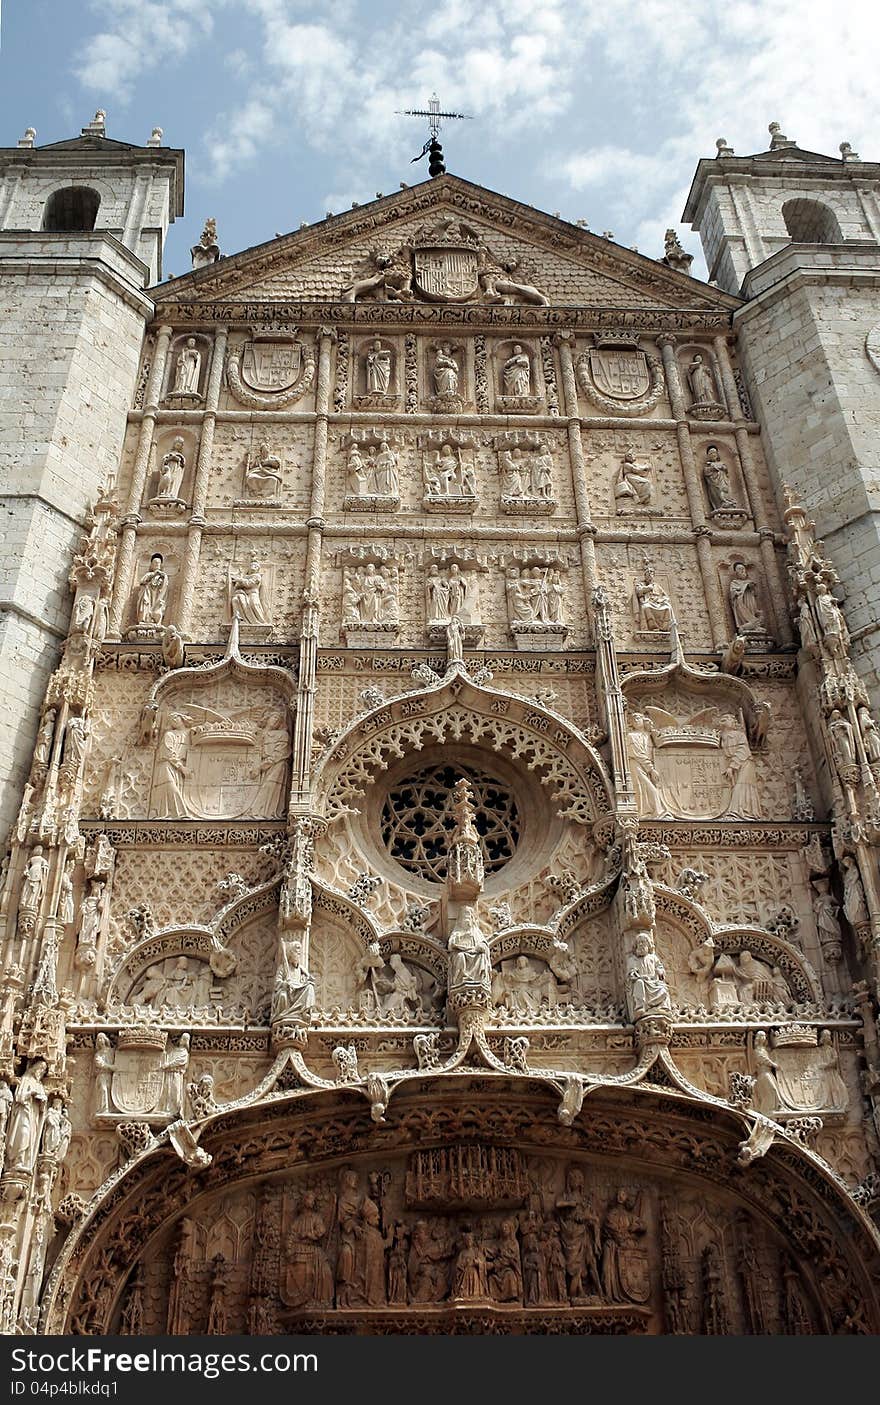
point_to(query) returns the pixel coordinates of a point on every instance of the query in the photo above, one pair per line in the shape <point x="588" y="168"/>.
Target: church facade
<point x="442" y="887"/>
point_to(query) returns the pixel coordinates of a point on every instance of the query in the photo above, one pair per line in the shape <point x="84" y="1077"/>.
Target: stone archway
<point x="471" y="1210"/>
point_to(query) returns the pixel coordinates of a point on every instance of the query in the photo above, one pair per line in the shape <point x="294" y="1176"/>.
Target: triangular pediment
<point x="504" y="243"/>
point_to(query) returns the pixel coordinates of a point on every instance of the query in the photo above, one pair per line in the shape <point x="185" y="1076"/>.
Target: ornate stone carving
<point x="535" y="601"/>
<point x="372" y="469"/>
<point x="269" y="373"/>
<point x="618" y="377"/>
<point x="634" y="486"/>
<point x="525" y="464"/>
<point x="448" y="472"/>
<point x="262" y="478"/>
<point x="723" y="507"/>
<point x="796" y="1073"/>
<point x="700" y="376"/>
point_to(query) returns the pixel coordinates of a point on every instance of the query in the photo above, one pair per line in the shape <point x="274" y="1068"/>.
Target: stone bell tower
<point x="82" y="228"/>
<point x="797" y="235"/>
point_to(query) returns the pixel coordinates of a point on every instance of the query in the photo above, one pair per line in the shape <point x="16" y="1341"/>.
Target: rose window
<point x="417" y="820"/>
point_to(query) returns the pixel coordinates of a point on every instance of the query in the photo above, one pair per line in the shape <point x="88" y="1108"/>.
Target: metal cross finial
<point x="433" y="114"/>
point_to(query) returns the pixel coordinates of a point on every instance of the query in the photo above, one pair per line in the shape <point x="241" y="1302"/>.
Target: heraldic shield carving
<point x="446" y="274"/>
<point x="617" y="375"/>
<point x="269" y="372"/>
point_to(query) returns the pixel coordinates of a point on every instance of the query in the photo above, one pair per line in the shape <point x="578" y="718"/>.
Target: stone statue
<point x="743" y="599"/>
<point x="739" y="769"/>
<point x="654" y="605"/>
<point x="89" y="924"/>
<point x="449" y="595"/>
<point x="580" y="1235"/>
<point x="835" y="635"/>
<point x="262" y="475"/>
<point x="169" y="800"/>
<point x="33" y="884"/>
<point x="624" y="1262"/>
<point x="512" y="473"/>
<point x="843" y="741"/>
<point x="66" y="906"/>
<point x="385" y="471"/>
<point x="541" y="476"/>
<point x="401" y="996"/>
<point x="470" y="967"/>
<point x="371" y="595"/>
<point x="308" y="1278"/>
<point x="245" y="601"/>
<point x="75" y="738"/>
<point x="377" y="363"/>
<point x="189" y="365"/>
<point x="855" y="906"/>
<point x="151" y="599"/>
<point x="45" y="737"/>
<point x="470" y="1270"/>
<point x="516" y="374"/>
<point x="717" y="480"/>
<point x="633" y="483"/>
<point x="870" y="735"/>
<point x="646" y="979"/>
<point x="104" y="1064"/>
<point x="274" y="756"/>
<point x="702" y="382"/>
<point x="172" y="471"/>
<point x="446" y="371"/>
<point x="175" y="1067"/>
<point x="57" y="1130"/>
<point x="293" y="998"/>
<point x="356" y="472"/>
<point x="26" y="1118"/>
<point x="825" y="912"/>
<point x="649" y="795"/>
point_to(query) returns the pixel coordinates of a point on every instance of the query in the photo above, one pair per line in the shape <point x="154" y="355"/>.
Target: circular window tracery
<point x="417" y="819"/>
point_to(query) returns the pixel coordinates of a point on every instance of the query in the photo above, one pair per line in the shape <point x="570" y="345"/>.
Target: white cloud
<point x="138" y="35"/>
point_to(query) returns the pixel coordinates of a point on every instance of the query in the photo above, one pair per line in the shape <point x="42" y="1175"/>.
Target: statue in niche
<point x="377" y="365"/>
<point x="274" y="756"/>
<point x="633" y="483"/>
<point x="580" y="1235"/>
<point x="371" y="595"/>
<point x="76" y="735"/>
<point x="743" y="599"/>
<point x="356" y="470"/>
<point x="516" y="374"/>
<point x="470" y="1270"/>
<point x="33" y="884"/>
<point x="470" y="966"/>
<point x="262" y="475"/>
<point x="870" y="735"/>
<point x="401" y="996"/>
<point x="103" y="1072"/>
<point x="739" y="769"/>
<point x="513" y="473"/>
<point x="446" y="372"/>
<point x="702" y="382"/>
<point x="66" y="904"/>
<point x="83" y="613"/>
<point x="175" y="1068"/>
<point x="293" y="998"/>
<point x="245" y="601"/>
<point x="172" y="471"/>
<point x="835" y="635"/>
<point x="825" y="912"/>
<point x="542" y="473"/>
<point x="189" y="365"/>
<point x="89" y="925"/>
<point x="717" y="480"/>
<point x="26" y="1118"/>
<point x="398" y="1256"/>
<point x="385" y="471"/>
<point x="308" y="1277"/>
<point x="45" y="737"/>
<point x="654" y="607"/>
<point x="449" y="595"/>
<point x="169" y="801"/>
<point x="843" y="739"/>
<point x="625" y="1274"/>
<point x="151" y="599"/>
<point x="649" y="796"/>
<point x="535" y="595"/>
<point x="646" y="979"/>
<point x="505" y="1265"/>
<point x="426" y="1265"/>
<point x="855" y="905"/>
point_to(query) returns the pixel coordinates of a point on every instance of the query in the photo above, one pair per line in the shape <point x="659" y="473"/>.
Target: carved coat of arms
<point x="271" y="366"/>
<point x="444" y="273"/>
<point x="138" y="1080"/>
<point x="619" y="372"/>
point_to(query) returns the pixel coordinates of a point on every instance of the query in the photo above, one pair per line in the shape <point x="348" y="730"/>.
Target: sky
<point x="595" y="109"/>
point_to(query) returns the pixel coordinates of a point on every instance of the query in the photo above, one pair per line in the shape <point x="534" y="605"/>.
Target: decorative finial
<point x="847" y="153"/>
<point x="156" y="137"/>
<point x="207" y="250"/>
<point x="28" y="138"/>
<point x="778" y="137"/>
<point x="674" y="256"/>
<point x="722" y="148"/>
<point x="98" y="125"/>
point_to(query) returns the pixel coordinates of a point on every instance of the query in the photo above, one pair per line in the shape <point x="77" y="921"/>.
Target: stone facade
<point x="444" y="893"/>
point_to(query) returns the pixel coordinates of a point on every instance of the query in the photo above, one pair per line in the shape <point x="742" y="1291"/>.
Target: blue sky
<point x="286" y="108"/>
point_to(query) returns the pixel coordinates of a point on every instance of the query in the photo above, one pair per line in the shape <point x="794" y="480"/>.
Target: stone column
<point x="129" y="524"/>
<point x="781" y="622"/>
<point x="308" y="649"/>
<point x="586" y="531"/>
<point x="189" y="568"/>
<point x="696" y="505"/>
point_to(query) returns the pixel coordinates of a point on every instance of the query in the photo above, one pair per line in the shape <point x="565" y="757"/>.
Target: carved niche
<point x="173" y="456"/>
<point x="445" y="377"/>
<point x="370" y="596"/>
<point x="452" y="592"/>
<point x="376" y="375"/>
<point x="188" y="361"/>
<point x="517" y="387"/>
<point x="449" y="471"/>
<point x="372" y="470"/>
<point x="535" y="592"/>
<point x="526" y="469"/>
<point x="746" y="601"/>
